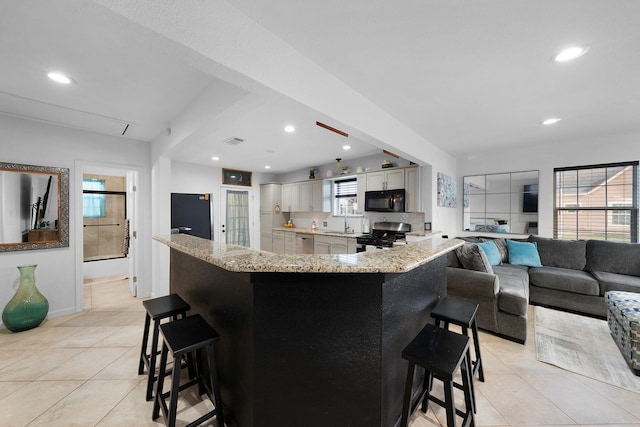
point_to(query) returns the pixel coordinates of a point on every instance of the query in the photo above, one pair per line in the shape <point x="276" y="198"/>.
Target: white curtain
<point x="238" y="217"/>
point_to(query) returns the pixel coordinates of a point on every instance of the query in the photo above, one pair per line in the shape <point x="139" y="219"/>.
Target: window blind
<point x="597" y="202"/>
<point x="346" y="187"/>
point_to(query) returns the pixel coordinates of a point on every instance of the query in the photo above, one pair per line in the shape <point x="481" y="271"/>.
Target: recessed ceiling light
<point x="289" y="129"/>
<point x="215" y="158"/>
<point x="267" y="167"/>
<point x="346" y="147"/>
<point x="550" y="121"/>
<point x="59" y="78"/>
<point x="570" y="53"/>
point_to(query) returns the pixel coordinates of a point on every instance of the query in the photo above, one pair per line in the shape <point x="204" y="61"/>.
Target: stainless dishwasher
<point x="304" y="243"/>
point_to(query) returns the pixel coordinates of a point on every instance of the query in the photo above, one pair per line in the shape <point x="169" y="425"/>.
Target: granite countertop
<point x="243" y="260"/>
<point x="318" y="232"/>
<point x="423" y="233"/>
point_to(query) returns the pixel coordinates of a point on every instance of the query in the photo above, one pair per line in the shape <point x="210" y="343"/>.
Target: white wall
<point x="192" y="178"/>
<point x="546" y="157"/>
<point x="35" y="143"/>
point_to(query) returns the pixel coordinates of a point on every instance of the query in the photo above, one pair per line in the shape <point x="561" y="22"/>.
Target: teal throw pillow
<point x="491" y="251"/>
<point x="523" y="253"/>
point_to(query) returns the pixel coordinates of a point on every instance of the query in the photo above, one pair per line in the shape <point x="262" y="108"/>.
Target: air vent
<point x="234" y="141"/>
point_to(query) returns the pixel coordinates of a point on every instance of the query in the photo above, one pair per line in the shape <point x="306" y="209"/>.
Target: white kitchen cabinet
<point x="278" y="241"/>
<point x="385" y="180"/>
<point x="351" y="245"/>
<point x="375" y="181"/>
<point x="305" y="193"/>
<point x="334" y="245"/>
<point x="362" y="188"/>
<point x="320" y="246"/>
<point x="317" y="197"/>
<point x="288" y="202"/>
<point x="270" y="196"/>
<point x="266" y="241"/>
<point x="289" y="243"/>
<point x="412" y="189"/>
<point x="304" y="196"/>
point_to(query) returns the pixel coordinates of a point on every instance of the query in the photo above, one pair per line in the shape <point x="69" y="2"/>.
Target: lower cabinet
<point x="334" y="245"/>
<point x="289" y="243"/>
<point x="277" y="240"/>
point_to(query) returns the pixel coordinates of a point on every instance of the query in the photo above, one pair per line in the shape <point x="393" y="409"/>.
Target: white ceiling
<point x="466" y="76"/>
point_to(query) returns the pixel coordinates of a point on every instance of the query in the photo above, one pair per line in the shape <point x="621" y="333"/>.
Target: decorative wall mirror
<point x="501" y="203"/>
<point x="34" y="207"/>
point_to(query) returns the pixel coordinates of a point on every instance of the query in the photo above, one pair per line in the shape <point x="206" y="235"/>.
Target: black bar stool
<point x="441" y="353"/>
<point x="463" y="314"/>
<point x="182" y="337"/>
<point x="157" y="309"/>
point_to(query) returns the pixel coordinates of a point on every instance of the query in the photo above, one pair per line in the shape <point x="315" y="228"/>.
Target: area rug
<point x="582" y="345"/>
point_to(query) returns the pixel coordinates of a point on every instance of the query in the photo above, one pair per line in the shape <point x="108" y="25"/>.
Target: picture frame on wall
<point x="236" y="177"/>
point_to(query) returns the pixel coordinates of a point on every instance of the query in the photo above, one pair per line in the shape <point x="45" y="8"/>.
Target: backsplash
<point x="359" y="224"/>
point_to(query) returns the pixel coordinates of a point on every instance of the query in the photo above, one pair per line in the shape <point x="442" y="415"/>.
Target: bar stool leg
<point x="476" y="345"/>
<point x="145" y="341"/>
<point x="406" y="403"/>
<point x="467" y="381"/>
<point x="450" y="403"/>
<point x="152" y="359"/>
<point x="469" y="363"/>
<point x="173" y="396"/>
<point x="160" y="383"/>
<point x="428" y="384"/>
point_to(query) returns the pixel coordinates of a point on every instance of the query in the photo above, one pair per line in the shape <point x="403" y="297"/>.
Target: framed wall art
<point x="446" y="191"/>
<point x="236" y="177"/>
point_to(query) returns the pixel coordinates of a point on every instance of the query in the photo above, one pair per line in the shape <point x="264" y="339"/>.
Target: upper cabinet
<point x="362" y="188"/>
<point x="304" y="196"/>
<point x="385" y="180"/>
<point x="412" y="189"/>
<point x="315" y="195"/>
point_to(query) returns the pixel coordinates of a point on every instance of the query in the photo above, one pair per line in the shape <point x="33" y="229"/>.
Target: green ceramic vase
<point x="28" y="307"/>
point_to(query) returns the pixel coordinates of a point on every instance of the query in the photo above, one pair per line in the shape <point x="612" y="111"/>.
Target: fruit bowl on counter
<point x="288" y="224"/>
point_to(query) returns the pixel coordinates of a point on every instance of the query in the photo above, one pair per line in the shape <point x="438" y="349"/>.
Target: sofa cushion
<point x="473" y="258"/>
<point x="523" y="253"/>
<point x="501" y="244"/>
<point x="513" y="296"/>
<point x="616" y="282"/>
<point x="561" y="253"/>
<point x="491" y="251"/>
<point x="452" y="260"/>
<point x="613" y="257"/>
<point x="564" y="279"/>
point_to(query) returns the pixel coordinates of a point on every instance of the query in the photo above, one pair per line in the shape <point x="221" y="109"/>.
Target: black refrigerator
<point x="192" y="214"/>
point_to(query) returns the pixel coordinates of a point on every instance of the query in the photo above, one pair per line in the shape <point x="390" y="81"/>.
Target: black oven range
<point x="384" y="235"/>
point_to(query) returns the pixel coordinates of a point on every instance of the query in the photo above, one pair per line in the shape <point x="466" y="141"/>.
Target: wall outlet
<point x="324" y="223"/>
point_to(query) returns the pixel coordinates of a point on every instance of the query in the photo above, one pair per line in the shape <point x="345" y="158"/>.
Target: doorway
<point x="107" y="246"/>
<point x="236" y="218"/>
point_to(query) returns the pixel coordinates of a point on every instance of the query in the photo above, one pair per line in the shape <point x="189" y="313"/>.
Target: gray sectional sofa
<point x="574" y="276"/>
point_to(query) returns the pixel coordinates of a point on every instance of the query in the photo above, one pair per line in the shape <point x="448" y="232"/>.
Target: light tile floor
<point x="81" y="370"/>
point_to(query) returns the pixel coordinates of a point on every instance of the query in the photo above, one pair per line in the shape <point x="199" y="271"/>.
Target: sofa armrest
<point x="472" y="283"/>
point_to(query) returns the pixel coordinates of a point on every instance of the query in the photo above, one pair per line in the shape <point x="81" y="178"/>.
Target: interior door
<point x="237" y="219"/>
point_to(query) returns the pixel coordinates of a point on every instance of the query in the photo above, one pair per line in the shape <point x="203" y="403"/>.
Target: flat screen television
<point x="530" y="198"/>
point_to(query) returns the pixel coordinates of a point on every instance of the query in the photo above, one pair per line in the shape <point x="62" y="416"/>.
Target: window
<point x="620" y="217"/>
<point x="93" y="205"/>
<point x="597" y="202"/>
<point x="345" y="196"/>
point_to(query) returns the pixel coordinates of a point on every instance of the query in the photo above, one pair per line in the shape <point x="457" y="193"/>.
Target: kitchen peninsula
<point x="311" y="340"/>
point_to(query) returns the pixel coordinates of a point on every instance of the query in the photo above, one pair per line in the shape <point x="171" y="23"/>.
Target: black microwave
<point x="384" y="201"/>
